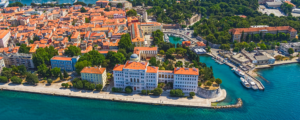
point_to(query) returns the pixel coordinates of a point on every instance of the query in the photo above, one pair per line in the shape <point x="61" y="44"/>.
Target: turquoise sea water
<point x="280" y="101"/>
<point x="174" y="40"/>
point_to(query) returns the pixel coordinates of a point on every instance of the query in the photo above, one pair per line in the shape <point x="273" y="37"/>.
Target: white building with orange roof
<point x="95" y="75"/>
<point x="140" y="76"/>
<point x="149" y="27"/>
<point x="186" y="79"/>
<point x="137" y="35"/>
<point x="145" y="53"/>
<point x="4" y="37"/>
<point x="237" y="32"/>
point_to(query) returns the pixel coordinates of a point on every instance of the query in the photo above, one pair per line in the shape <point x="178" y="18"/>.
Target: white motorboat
<point x="238" y="72"/>
<point x="245" y="83"/>
<point x="252" y="83"/>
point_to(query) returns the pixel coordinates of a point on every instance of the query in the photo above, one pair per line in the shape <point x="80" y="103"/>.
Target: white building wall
<point x="187" y="83"/>
<point x="4" y="40"/>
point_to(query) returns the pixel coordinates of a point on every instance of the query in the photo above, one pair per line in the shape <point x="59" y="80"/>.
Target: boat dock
<point x="257" y="82"/>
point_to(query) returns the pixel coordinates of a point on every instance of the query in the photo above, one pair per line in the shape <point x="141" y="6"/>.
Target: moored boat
<point x="238" y="72"/>
<point x="245" y="83"/>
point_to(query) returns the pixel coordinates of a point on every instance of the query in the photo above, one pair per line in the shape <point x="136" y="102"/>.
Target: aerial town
<point x="115" y="47"/>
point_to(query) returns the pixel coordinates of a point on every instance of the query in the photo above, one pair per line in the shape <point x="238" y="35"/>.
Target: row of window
<point x="194" y="83"/>
<point x="181" y="86"/>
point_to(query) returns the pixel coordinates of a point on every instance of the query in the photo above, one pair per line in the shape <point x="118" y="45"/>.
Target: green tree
<point x="157" y="91"/>
<point x="24" y="49"/>
<point x="92" y="86"/>
<point x="72" y="51"/>
<point x="144" y="92"/>
<point x="87" y="20"/>
<point x="192" y="94"/>
<point x="93" y="56"/>
<point x="22" y="69"/>
<point x="83" y="10"/>
<point x="208" y="83"/>
<point x="81" y="64"/>
<point x="128" y="89"/>
<point x="79" y="3"/>
<point x="125" y="42"/>
<point x="55" y="71"/>
<point x="162" y="52"/>
<point x="290" y="50"/>
<point x="15" y="69"/>
<point x="3" y="79"/>
<point x="43" y="55"/>
<point x="225" y="47"/>
<point x="16" y="80"/>
<point x="218" y="81"/>
<point x="66" y="75"/>
<point x="99" y="87"/>
<point x="7" y="72"/>
<point x="42" y="70"/>
<point x="179" y="64"/>
<point x="131" y="13"/>
<point x="49" y="81"/>
<point x="32" y="78"/>
<point x="15" y="4"/>
<point x="152" y="61"/>
<point x="61" y="76"/>
<point x="119" y="5"/>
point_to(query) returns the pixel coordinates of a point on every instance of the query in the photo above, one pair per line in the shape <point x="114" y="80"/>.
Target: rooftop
<point x="93" y="70"/>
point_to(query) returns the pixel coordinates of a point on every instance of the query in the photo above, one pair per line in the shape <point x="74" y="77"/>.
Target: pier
<point x="257" y="82"/>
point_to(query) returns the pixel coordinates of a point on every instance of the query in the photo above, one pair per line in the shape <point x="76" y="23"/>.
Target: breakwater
<point x="237" y="105"/>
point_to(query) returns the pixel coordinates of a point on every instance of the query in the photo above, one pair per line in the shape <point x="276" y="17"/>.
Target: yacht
<point x="245" y="83"/>
<point x="252" y="83"/>
<point x="238" y="72"/>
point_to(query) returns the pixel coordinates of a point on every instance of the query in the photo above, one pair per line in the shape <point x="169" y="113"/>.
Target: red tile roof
<point x="186" y="71"/>
<point x="93" y="70"/>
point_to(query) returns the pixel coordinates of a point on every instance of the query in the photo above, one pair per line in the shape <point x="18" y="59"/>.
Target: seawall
<point x="196" y="102"/>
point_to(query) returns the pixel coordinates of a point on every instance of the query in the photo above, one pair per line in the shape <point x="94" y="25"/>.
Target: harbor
<point x="219" y="58"/>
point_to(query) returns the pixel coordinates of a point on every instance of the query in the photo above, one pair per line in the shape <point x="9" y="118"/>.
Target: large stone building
<point x="237" y="32"/>
<point x="141" y="76"/>
<point x="125" y="4"/>
<point x="17" y="59"/>
<point x="284" y="47"/>
<point x="4" y="37"/>
<point x="145" y="53"/>
<point x="95" y="75"/>
<point x="2" y="64"/>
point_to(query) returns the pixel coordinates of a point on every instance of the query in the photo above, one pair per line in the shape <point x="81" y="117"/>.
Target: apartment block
<point x="64" y="63"/>
<point x="17" y="59"/>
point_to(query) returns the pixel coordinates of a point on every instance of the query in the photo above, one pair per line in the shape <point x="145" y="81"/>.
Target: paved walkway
<point x="165" y="99"/>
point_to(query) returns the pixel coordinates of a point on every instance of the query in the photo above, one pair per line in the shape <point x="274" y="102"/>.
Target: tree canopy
<point x="72" y="51"/>
<point x="131" y="13"/>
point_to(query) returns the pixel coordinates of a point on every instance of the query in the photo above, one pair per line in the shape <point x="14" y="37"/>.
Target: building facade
<point x="64" y="63"/>
<point x="18" y="59"/>
<point x="2" y="64"/>
<point x="140" y="76"/>
<point x="237" y="32"/>
<point x="4" y="37"/>
<point x="145" y="53"/>
<point x="284" y="47"/>
<point x="95" y="75"/>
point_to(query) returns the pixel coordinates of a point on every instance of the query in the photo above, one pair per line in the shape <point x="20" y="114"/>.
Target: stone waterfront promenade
<point x="164" y="99"/>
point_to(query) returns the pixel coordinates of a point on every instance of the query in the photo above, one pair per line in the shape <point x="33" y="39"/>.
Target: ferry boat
<point x="252" y="83"/>
<point x="245" y="83"/>
<point x="238" y="72"/>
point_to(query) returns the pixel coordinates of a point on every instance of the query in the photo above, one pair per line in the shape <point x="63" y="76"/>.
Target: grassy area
<point x="212" y="87"/>
<point x="214" y="104"/>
